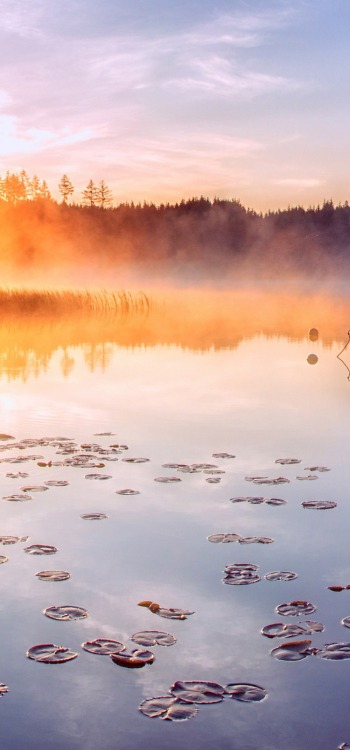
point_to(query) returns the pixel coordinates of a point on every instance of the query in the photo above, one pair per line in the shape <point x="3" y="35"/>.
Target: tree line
<point x="17" y="187"/>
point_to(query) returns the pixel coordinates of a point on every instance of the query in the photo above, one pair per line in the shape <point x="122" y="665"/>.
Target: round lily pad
<point x="18" y="498"/>
<point x="287" y="461"/>
<point x="100" y="477"/>
<point x="319" y="504"/>
<point x="40" y="549"/>
<point x="346" y="621"/>
<point x="255" y="540"/>
<point x="334" y="651"/>
<point x="34" y="488"/>
<point x="49" y="653"/>
<point x="136" y="460"/>
<point x="167" y="480"/>
<point x="291" y="630"/>
<point x="198" y="691"/>
<point x="281" y="575"/>
<point x="93" y="516"/>
<point x="245" y="692"/>
<point x="103" y="646"/>
<point x="275" y="501"/>
<point x="224" y="538"/>
<point x="65" y="612"/>
<point x="295" y="608"/>
<point x="127" y="492"/>
<point x="167" y="707"/>
<point x="292" y="650"/>
<point x="133" y="660"/>
<point x="153" y="638"/>
<point x="53" y="575"/>
<point x="56" y="483"/>
<point x="223" y="455"/>
<point x="3" y="559"/>
<point x="241" y="574"/>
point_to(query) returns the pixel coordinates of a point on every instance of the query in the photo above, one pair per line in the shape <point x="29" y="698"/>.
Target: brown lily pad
<point x="49" y="653"/>
<point x="292" y="650"/>
<point x="103" y="646"/>
<point x="136" y="659"/>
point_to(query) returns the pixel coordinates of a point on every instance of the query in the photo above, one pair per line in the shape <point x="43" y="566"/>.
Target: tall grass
<point x="62" y="302"/>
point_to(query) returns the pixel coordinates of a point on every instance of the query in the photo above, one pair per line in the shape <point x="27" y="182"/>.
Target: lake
<point x="198" y="376"/>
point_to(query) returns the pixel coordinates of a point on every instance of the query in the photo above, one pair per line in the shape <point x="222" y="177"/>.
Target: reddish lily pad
<point x="245" y="692"/>
<point x="292" y="650"/>
<point x="153" y="638"/>
<point x="66" y="612"/>
<point x="53" y="575"/>
<point x="103" y="646"/>
<point x="168" y="708"/>
<point x="40" y="549"/>
<point x="49" y="653"/>
<point x="3" y="689"/>
<point x="136" y="659"/>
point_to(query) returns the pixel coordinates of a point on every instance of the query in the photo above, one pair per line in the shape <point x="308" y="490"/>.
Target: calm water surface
<point x="260" y="401"/>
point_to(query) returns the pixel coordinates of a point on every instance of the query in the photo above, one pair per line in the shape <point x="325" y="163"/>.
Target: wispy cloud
<point x="302" y="182"/>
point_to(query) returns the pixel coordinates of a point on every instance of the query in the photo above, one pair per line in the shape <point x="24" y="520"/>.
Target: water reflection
<point x="340" y="357"/>
<point x="192" y="320"/>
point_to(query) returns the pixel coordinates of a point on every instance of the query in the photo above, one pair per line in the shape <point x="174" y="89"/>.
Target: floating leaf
<point x="255" y="539"/>
<point x="204" y="466"/>
<point x="13" y="539"/>
<point x="17" y="475"/>
<point x="276" y="501"/>
<point x="34" y="488"/>
<point x="40" y="549"/>
<point x="335" y="651"/>
<point x="66" y="612"/>
<point x="224" y="538"/>
<point x="255" y="477"/>
<point x="307" y="478"/>
<point x="127" y="492"/>
<point x="290" y="630"/>
<point x="292" y="650"/>
<point x="3" y="559"/>
<point x="93" y="516"/>
<point x="241" y="574"/>
<point x="319" y="504"/>
<point x="136" y="460"/>
<point x="176" y="466"/>
<point x="346" y="621"/>
<point x="295" y="608"/>
<point x="48" y="653"/>
<point x="167" y="707"/>
<point x="134" y="660"/>
<point x="336" y="588"/>
<point x="193" y="691"/>
<point x="245" y="692"/>
<point x="53" y="575"/>
<point x="172" y="614"/>
<point x="18" y="498"/>
<point x="214" y="471"/>
<point x="167" y="480"/>
<point x="101" y="477"/>
<point x="317" y="468"/>
<point x="213" y="480"/>
<point x="223" y="455"/>
<point x="153" y="638"/>
<point x="103" y="646"/>
<point x="104" y="434"/>
<point x="264" y="480"/>
<point x="252" y="500"/>
<point x="281" y="575"/>
<point x="56" y="483"/>
<point x="287" y="461"/>
<point x="3" y="689"/>
<point x="3" y="436"/>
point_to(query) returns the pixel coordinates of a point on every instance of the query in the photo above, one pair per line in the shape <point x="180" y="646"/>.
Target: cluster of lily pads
<point x="181" y="702"/>
<point x="242" y="574"/>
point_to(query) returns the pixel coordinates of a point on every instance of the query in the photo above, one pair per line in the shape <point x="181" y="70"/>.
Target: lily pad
<point x="241" y="574"/>
<point x="167" y="480"/>
<point x="223" y="455"/>
<point x="13" y="539"/>
<point x="133" y="660"/>
<point x="66" y="612"/>
<point x="153" y="638"/>
<point x="255" y="539"/>
<point x="288" y="461"/>
<point x="292" y="650"/>
<point x="40" y="549"/>
<point x="49" y="653"/>
<point x="213" y="480"/>
<point x="100" y="477"/>
<point x="136" y="460"/>
<point x="291" y="630"/>
<point x="103" y="646"/>
<point x="275" y="501"/>
<point x="3" y="689"/>
<point x="194" y="691"/>
<point x="3" y="559"/>
<point x="317" y="468"/>
<point x="245" y="692"/>
<point x="346" y="621"/>
<point x="336" y="588"/>
<point x="334" y="651"/>
<point x="214" y="471"/>
<point x="17" y="475"/>
<point x="224" y="538"/>
<point x="56" y="483"/>
<point x="34" y="488"/>
<point x="53" y="575"/>
<point x="307" y="478"/>
<point x="252" y="500"/>
<point x="3" y="436"/>
<point x="173" y="614"/>
<point x="18" y="498"/>
<point x="93" y="516"/>
<point x="167" y="707"/>
<point x="319" y="504"/>
<point x="281" y="575"/>
<point x="127" y="492"/>
<point x="276" y="480"/>
<point x="296" y="608"/>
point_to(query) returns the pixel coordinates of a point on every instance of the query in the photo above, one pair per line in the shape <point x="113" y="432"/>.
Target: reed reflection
<point x="32" y="330"/>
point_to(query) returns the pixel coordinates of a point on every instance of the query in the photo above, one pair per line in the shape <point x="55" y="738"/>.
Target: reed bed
<point x="66" y="302"/>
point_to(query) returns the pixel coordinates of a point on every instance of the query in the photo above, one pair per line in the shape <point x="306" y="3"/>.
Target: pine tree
<point x="65" y="187"/>
<point x="104" y="195"/>
<point x="90" y="194"/>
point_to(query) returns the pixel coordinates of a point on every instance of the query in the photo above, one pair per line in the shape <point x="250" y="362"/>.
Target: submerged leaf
<point x="49" y="653"/>
<point x="103" y="646"/>
<point x="66" y="612"/>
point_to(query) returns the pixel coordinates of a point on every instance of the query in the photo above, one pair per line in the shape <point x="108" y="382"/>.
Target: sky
<point x="169" y="99"/>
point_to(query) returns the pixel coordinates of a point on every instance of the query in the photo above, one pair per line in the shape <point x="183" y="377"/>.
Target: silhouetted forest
<point x="194" y="239"/>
